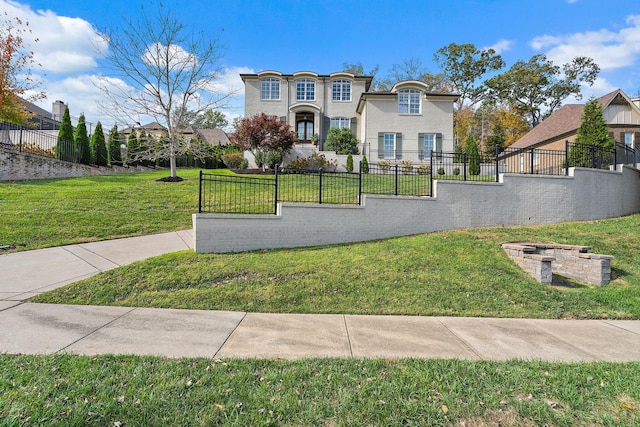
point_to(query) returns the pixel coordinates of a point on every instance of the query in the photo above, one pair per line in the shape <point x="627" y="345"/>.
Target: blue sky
<point x="321" y="35"/>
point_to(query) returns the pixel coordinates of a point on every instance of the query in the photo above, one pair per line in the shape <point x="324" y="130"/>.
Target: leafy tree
<point x="593" y="132"/>
<point x="16" y="81"/>
<point x="82" y="141"/>
<point x="458" y="154"/>
<point x="464" y="66"/>
<point x="261" y="134"/>
<point x="342" y="141"/>
<point x="471" y="146"/>
<point x="113" y="146"/>
<point x="65" y="146"/>
<point x="166" y="68"/>
<point x="537" y="88"/>
<point x="357" y="69"/>
<point x="211" y="119"/>
<point x="98" y="146"/>
<point x="131" y="156"/>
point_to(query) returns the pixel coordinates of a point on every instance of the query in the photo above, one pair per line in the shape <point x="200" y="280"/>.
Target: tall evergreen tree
<point x="496" y="139"/>
<point x="474" y="156"/>
<point x="98" y="147"/>
<point x="132" y="149"/>
<point x="65" y="146"/>
<point x="592" y="138"/>
<point x="113" y="146"/>
<point x="82" y="141"/>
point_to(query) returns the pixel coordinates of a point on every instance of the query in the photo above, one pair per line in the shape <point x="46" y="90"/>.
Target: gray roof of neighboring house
<point x="213" y="136"/>
<point x="564" y="121"/>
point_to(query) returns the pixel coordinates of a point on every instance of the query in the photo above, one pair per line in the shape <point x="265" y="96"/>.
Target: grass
<point x="454" y="273"/>
<point x="126" y="390"/>
<point x="451" y="273"/>
<point x="43" y="213"/>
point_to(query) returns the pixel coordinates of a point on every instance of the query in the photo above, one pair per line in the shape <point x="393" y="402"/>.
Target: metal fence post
<point x="320" y="186"/>
<point x="531" y="154"/>
<point x="464" y="167"/>
<point x="200" y="194"/>
<point x="20" y="147"/>
<point x="615" y="157"/>
<point x="431" y="174"/>
<point x="396" y="179"/>
<point x="360" y="184"/>
<point x="275" y="192"/>
<point x="497" y="154"/>
<point x="566" y="157"/>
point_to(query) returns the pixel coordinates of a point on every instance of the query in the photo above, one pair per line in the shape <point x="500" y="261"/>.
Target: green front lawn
<point x="43" y="213"/>
<point x="455" y="273"/>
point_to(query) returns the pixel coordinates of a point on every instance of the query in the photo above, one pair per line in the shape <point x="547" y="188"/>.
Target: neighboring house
<point x="406" y="122"/>
<point x="620" y="112"/>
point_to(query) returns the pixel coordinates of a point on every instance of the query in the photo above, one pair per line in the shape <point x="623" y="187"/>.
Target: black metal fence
<point x="261" y="194"/>
<point x="27" y="140"/>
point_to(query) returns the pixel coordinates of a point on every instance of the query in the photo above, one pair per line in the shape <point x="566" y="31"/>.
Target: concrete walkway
<point x="30" y="328"/>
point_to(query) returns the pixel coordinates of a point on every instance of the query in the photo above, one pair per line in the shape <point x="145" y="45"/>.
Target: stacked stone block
<point x="542" y="260"/>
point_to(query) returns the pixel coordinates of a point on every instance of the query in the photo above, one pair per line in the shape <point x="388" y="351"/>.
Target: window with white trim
<point x="389" y="145"/>
<point x="340" y="122"/>
<point x="628" y="139"/>
<point x="270" y="89"/>
<point x="409" y="101"/>
<point x="305" y="90"/>
<point x="341" y="90"/>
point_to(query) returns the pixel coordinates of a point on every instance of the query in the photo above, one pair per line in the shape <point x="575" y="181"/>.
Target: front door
<point x="304" y="127"/>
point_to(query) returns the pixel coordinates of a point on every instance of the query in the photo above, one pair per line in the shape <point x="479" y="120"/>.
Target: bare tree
<point x="157" y="67"/>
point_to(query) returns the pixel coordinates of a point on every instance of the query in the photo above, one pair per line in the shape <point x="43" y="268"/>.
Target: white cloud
<point x="64" y="45"/>
<point x="229" y="81"/>
<point x="501" y="46"/>
<point x="610" y="50"/>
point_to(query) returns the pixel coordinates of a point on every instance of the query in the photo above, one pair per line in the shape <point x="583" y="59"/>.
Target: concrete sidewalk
<point x="30" y="328"/>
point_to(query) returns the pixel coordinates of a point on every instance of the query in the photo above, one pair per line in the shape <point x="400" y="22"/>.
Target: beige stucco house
<point x="406" y="122"/>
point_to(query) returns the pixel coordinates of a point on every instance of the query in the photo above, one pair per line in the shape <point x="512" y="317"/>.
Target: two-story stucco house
<point x="406" y="122"/>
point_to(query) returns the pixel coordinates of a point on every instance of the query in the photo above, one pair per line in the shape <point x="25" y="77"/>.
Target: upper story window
<point x="628" y="139"/>
<point x="305" y="90"/>
<point x="270" y="89"/>
<point x="341" y="90"/>
<point x="340" y="122"/>
<point x="409" y="101"/>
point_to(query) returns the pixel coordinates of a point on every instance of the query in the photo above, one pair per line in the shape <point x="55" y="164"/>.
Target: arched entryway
<point x="304" y="127"/>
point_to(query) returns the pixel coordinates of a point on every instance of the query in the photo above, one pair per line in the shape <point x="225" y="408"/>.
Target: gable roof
<point x="214" y="136"/>
<point x="565" y="121"/>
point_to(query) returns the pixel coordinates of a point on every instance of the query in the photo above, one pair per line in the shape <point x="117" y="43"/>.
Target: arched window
<point x="409" y="101"/>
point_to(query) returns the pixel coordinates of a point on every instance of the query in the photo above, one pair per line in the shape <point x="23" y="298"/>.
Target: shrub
<point x="407" y="166"/>
<point x="424" y="169"/>
<point x="384" y="165"/>
<point x="313" y="162"/>
<point x="342" y="141"/>
<point x="273" y="158"/>
<point x="259" y="158"/>
<point x="364" y="165"/>
<point x="440" y="170"/>
<point x="233" y="160"/>
<point x="349" y="165"/>
<point x="456" y="171"/>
